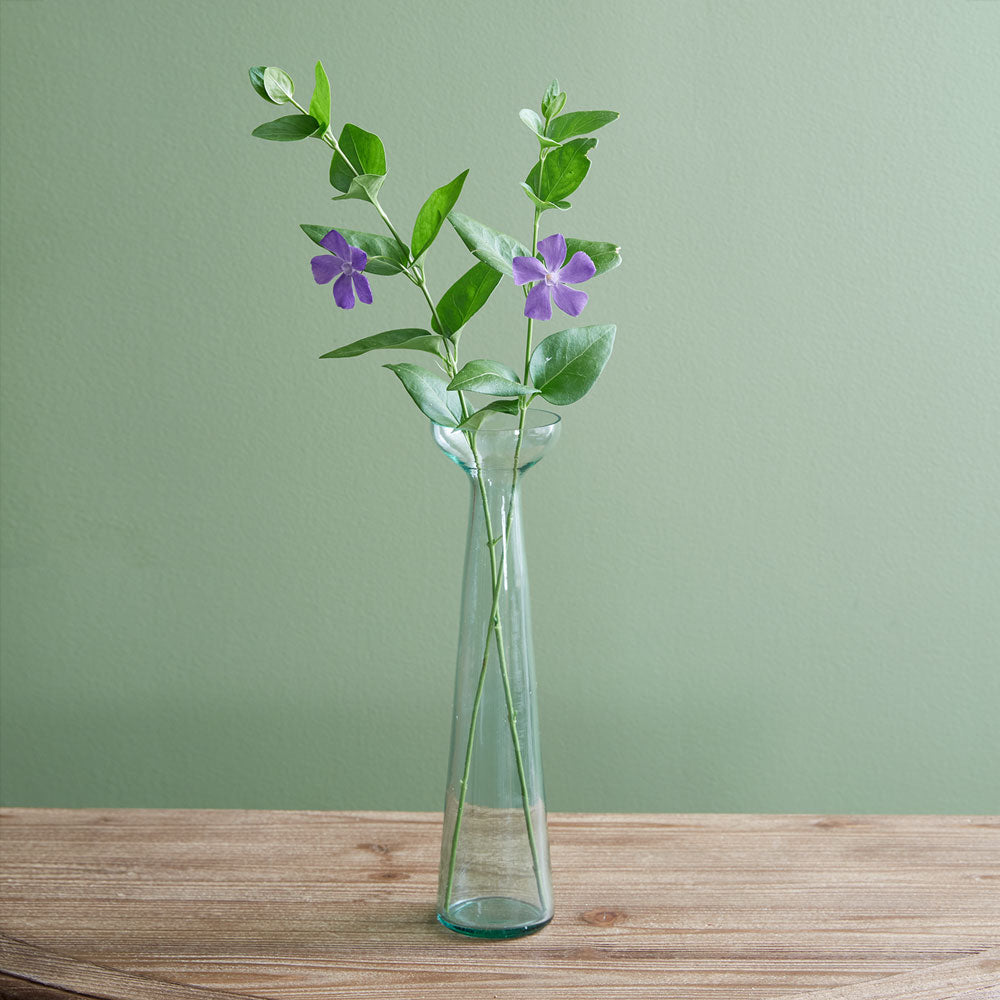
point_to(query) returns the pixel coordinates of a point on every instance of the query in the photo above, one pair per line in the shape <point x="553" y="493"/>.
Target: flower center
<point x="346" y="268"/>
<point x="550" y="278"/>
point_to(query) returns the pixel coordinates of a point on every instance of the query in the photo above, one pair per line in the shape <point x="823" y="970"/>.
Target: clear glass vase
<point x="495" y="879"/>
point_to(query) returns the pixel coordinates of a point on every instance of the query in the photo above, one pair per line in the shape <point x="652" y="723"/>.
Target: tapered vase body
<point x="495" y="878"/>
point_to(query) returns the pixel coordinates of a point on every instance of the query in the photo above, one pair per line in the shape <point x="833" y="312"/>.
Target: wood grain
<point x="212" y="905"/>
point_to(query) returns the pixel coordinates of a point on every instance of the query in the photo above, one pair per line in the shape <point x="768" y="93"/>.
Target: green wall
<point x="766" y="554"/>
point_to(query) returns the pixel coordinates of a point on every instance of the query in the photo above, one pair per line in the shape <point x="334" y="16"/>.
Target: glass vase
<point x="495" y="880"/>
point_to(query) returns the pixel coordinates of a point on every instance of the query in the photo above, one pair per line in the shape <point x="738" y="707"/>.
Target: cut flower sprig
<point x="560" y="369"/>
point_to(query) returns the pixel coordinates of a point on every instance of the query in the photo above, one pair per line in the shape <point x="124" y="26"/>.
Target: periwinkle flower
<point x="553" y="277"/>
<point x="348" y="262"/>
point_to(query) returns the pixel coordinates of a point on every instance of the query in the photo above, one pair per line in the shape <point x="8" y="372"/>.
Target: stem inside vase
<point x="495" y="879"/>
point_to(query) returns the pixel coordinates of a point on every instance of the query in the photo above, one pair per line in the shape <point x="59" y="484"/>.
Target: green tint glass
<point x="495" y="879"/>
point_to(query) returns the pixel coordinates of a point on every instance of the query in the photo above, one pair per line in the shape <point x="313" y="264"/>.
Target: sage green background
<point x="766" y="554"/>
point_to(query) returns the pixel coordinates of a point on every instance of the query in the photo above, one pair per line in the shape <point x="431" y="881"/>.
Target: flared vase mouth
<point x="500" y="440"/>
<point x="500" y="423"/>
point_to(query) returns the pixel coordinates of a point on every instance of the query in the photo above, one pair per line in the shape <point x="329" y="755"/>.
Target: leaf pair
<point x="537" y="125"/>
<point x="276" y="87"/>
<point x="273" y="84"/>
<point x="563" y="368"/>
<point x="558" y="130"/>
<point x="553" y="100"/>
<point x="560" y="173"/>
<point x="358" y="165"/>
<point x="558" y="127"/>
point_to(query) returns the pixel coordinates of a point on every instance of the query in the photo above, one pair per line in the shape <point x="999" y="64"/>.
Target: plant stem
<point x="389" y="226"/>
<point x="496" y="628"/>
<point x="416" y="275"/>
<point x="523" y="401"/>
<point x="493" y="625"/>
<point x="522" y="404"/>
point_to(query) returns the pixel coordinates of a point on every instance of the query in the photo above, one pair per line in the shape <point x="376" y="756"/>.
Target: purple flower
<point x="348" y="262"/>
<point x="552" y="276"/>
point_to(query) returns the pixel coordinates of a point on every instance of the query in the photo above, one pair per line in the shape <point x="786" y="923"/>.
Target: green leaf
<point x="430" y="392"/>
<point x="257" y="81"/>
<point x="553" y="101"/>
<point x="491" y="247"/>
<point x="319" y="106"/>
<point x="384" y="254"/>
<point x="565" y="365"/>
<point x="277" y="85"/>
<point x="562" y="171"/>
<point x="578" y="123"/>
<point x="543" y="205"/>
<point x="361" y="152"/>
<point x="475" y="420"/>
<point x="402" y="340"/>
<point x="432" y="214"/>
<point x="531" y="119"/>
<point x="491" y="377"/>
<point x="364" y="187"/>
<point x="288" y="129"/>
<point x="466" y="297"/>
<point x="606" y="256"/>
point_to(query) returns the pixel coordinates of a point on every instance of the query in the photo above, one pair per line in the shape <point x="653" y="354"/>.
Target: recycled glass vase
<point x="495" y="880"/>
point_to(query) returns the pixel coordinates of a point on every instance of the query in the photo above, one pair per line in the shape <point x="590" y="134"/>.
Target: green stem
<point x="522" y="403"/>
<point x="421" y="283"/>
<point x="492" y="624"/>
<point x="416" y="274"/>
<point x="496" y="628"/>
<point x="390" y="227"/>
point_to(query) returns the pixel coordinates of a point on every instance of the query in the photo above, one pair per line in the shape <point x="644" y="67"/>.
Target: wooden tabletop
<point x="212" y="905"/>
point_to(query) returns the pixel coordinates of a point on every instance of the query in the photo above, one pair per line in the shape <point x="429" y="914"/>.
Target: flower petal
<point x="570" y="300"/>
<point x="527" y="269"/>
<point x="362" y="287"/>
<point x="359" y="258"/>
<point x="579" y="268"/>
<point x="336" y="243"/>
<point x="553" y="250"/>
<point x="324" y="268"/>
<point x="343" y="292"/>
<point x="537" y="305"/>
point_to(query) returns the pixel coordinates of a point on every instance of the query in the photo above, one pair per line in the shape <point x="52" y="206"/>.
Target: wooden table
<point x="212" y="905"/>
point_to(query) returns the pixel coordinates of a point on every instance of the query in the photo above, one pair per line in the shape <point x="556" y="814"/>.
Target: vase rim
<point x="536" y="419"/>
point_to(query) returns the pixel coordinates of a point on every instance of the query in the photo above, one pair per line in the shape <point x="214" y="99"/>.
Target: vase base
<point x="494" y="917"/>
